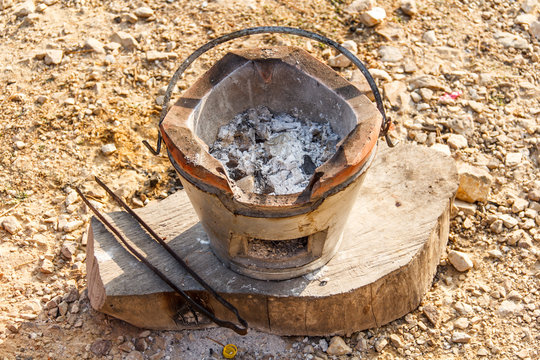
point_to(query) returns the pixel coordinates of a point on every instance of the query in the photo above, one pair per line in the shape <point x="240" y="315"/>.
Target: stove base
<point x="393" y="241"/>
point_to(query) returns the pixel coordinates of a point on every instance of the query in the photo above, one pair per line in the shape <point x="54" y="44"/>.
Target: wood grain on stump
<point x="393" y="241"/>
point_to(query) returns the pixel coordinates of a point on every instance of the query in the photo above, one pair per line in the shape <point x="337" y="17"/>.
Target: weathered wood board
<point x="393" y="241"/>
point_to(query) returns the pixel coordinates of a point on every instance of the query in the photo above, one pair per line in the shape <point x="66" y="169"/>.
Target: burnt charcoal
<point x="308" y="167"/>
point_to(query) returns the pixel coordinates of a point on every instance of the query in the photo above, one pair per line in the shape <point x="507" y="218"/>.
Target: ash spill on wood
<point x="273" y="154"/>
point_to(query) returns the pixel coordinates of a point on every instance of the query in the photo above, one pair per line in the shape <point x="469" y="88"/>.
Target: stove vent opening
<point x="277" y="249"/>
<point x="276" y="254"/>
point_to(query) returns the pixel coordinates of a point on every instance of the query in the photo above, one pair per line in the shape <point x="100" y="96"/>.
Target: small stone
<point x="525" y="242"/>
<point x="534" y="29"/>
<point x="140" y="344"/>
<point x="476" y="106"/>
<point x="42" y="99"/>
<point x="514" y="295"/>
<point x="529" y="6"/>
<point x="95" y="45"/>
<point x="19" y="145"/>
<point x="72" y="294"/>
<point x="47" y="267"/>
<point x="33" y="306"/>
<point x="509" y="40"/>
<point x="351" y="46"/>
<point x="497" y="227"/>
<point x="101" y="347"/>
<point x="51" y="304"/>
<point x="339" y="61"/>
<point x="460" y="337"/>
<point x="134" y="355"/>
<point x="390" y="53"/>
<point x="525" y="19"/>
<point x="362" y="344"/>
<point x="75" y="308"/>
<point x="393" y="91"/>
<point x="323" y="344"/>
<point x="457" y="141"/>
<point x="519" y="205"/>
<point x="72" y="225"/>
<point x="130" y="18"/>
<point x="425" y="81"/>
<point x="126" y="40"/>
<point x="396" y="341"/>
<point x="445" y="149"/>
<point x="534" y="194"/>
<point x="427" y="94"/>
<point x="495" y="253"/>
<point x="145" y="334"/>
<point x="144" y="12"/>
<point x="25" y="9"/>
<point x="158" y="356"/>
<point x="373" y="17"/>
<point x="72" y="198"/>
<point x="508" y="308"/>
<point x="69" y="101"/>
<point x="361" y="6"/>
<point x="429" y="37"/>
<point x="474" y="183"/>
<point x="461" y="323"/>
<point x="465" y="207"/>
<point x="53" y="57"/>
<point x="513" y="159"/>
<point x="422" y="107"/>
<point x="460" y="260"/>
<point x="63" y="308"/>
<point x="126" y="346"/>
<point x="523" y="354"/>
<point x="509" y="221"/>
<point x="11" y="224"/>
<point x="381" y="344"/>
<point x="68" y="249"/>
<point x="431" y="313"/>
<point x="380" y="74"/>
<point x="482" y="352"/>
<point x="138" y="202"/>
<point x="108" y="149"/>
<point x="463" y="308"/>
<point x="112" y="46"/>
<point x="409" y="7"/>
<point x="41" y="8"/>
<point x="159" y="55"/>
<point x="14" y="327"/>
<point x="338" y="347"/>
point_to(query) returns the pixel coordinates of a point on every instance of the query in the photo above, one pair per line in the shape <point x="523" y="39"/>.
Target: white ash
<point x="273" y="154"/>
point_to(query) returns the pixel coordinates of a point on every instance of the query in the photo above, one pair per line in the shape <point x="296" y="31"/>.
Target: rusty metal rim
<point x="270" y="30"/>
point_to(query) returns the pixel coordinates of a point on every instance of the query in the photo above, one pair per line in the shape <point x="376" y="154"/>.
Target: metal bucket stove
<point x="272" y="237"/>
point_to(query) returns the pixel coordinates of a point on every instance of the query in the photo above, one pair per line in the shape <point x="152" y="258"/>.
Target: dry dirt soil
<point x="459" y="75"/>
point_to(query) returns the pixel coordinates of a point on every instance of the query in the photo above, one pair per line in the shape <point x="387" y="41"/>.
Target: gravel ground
<point x="82" y="84"/>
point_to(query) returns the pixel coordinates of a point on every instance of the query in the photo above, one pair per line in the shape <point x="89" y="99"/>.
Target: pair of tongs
<point x="242" y="330"/>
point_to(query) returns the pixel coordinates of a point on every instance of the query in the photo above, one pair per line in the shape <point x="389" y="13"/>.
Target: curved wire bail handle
<point x="270" y="30"/>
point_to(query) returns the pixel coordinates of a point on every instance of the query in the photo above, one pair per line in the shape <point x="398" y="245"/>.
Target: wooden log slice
<point x="393" y="241"/>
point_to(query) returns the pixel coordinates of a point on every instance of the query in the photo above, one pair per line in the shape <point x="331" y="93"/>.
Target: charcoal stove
<point x="264" y="236"/>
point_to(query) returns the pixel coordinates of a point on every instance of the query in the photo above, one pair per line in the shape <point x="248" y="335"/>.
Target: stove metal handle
<point x="270" y="30"/>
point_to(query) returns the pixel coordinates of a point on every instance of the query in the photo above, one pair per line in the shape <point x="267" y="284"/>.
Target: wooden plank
<point x="394" y="238"/>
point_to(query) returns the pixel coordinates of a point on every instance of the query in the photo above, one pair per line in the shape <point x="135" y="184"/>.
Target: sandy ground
<point x="64" y="96"/>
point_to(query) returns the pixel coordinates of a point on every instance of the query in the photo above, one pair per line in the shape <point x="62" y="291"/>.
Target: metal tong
<point x="241" y="330"/>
